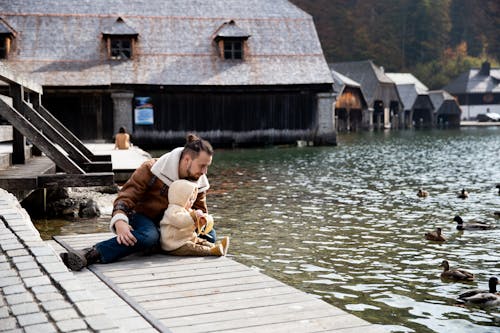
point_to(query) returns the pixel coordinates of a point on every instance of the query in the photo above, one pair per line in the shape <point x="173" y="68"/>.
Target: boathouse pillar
<point x="122" y="110"/>
<point x="325" y="134"/>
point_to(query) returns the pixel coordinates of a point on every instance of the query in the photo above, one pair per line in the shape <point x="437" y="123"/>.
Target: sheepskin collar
<point x="166" y="168"/>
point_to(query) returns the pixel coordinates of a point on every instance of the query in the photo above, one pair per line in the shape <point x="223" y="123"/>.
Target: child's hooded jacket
<point x="178" y="224"/>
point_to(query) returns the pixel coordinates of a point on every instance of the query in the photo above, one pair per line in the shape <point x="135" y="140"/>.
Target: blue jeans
<point x="148" y="238"/>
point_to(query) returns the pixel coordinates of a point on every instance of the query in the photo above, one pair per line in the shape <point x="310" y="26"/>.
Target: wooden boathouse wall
<point x="280" y="114"/>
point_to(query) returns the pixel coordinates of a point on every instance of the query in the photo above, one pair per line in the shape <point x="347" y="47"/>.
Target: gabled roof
<point x="231" y="30"/>
<point x="374" y="83"/>
<point x="476" y="81"/>
<point x="119" y="28"/>
<point x="444" y="103"/>
<point x="174" y="46"/>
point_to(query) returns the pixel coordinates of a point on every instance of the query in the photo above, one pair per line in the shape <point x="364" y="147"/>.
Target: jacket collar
<point x="166" y="168"/>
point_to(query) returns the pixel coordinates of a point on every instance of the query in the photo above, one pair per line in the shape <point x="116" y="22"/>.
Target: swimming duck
<point x="461" y="225"/>
<point x="482" y="297"/>
<point x="422" y="194"/>
<point x="456" y="274"/>
<point x="497" y="213"/>
<point x="463" y="194"/>
<point x="435" y="235"/>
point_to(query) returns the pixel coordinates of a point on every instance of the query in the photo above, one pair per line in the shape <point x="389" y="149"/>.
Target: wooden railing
<point x="31" y="120"/>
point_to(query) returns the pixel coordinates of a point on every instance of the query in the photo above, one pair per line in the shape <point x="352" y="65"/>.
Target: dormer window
<point x="230" y="40"/>
<point x="233" y="49"/>
<point x="120" y="40"/>
<point x="6" y="37"/>
<point x="120" y="48"/>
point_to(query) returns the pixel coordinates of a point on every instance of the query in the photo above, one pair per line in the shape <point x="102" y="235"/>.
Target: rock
<point x="89" y="209"/>
<point x="63" y="208"/>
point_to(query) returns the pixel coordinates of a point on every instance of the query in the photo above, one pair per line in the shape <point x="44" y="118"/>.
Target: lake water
<point x="344" y="223"/>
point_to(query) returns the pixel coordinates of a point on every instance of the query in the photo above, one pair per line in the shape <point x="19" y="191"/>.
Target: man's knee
<point x="148" y="239"/>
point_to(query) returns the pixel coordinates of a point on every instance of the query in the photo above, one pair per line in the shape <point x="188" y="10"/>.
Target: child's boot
<point x="225" y="244"/>
<point x="217" y="250"/>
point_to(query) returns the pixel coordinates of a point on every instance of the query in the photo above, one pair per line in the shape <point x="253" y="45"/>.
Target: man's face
<point x="198" y="166"/>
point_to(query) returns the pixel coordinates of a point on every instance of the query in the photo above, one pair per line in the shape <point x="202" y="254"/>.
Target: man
<point x="141" y="202"/>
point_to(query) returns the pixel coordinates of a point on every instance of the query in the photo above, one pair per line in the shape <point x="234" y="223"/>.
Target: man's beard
<point x="190" y="176"/>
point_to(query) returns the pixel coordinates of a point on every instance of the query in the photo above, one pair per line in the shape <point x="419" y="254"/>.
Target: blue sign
<point x="144" y="113"/>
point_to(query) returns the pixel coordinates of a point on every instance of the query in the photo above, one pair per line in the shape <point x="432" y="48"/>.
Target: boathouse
<point x="351" y="110"/>
<point x="446" y="109"/>
<point x="384" y="104"/>
<point x="239" y="72"/>
<point x="417" y="105"/>
<point x="477" y="91"/>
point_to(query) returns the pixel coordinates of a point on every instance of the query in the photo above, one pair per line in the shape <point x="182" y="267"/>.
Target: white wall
<point x="470" y="112"/>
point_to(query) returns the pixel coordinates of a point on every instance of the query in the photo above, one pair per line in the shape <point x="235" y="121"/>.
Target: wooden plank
<point x="24" y="176"/>
<point x="174" y="294"/>
<point x="78" y="180"/>
<point x="283" y="313"/>
<point x="206" y="294"/>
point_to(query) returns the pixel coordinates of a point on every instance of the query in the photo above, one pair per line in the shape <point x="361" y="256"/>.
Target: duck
<point x="463" y="194"/>
<point x="455" y="274"/>
<point x="496" y="213"/>
<point x="461" y="225"/>
<point x="435" y="235"/>
<point x="422" y="194"/>
<point x="482" y="297"/>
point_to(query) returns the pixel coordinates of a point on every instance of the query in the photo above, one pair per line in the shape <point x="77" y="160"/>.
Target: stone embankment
<point x="37" y="292"/>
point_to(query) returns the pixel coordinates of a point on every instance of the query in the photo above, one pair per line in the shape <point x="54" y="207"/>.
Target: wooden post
<point x="19" y="141"/>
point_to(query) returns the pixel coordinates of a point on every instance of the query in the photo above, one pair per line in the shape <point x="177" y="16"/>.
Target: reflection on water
<point x="344" y="222"/>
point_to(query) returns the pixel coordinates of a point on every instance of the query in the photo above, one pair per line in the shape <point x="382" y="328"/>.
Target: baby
<point x="181" y="225"/>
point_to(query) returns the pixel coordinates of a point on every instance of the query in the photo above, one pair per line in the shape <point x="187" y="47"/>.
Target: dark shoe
<point x="77" y="259"/>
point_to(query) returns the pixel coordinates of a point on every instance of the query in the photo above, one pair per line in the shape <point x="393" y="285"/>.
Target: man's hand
<point x="124" y="235"/>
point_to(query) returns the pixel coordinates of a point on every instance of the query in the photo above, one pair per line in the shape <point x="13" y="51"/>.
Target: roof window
<point x="231" y="41"/>
<point x="120" y="40"/>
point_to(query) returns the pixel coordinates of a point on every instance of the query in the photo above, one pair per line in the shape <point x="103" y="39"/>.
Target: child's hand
<point x="202" y="220"/>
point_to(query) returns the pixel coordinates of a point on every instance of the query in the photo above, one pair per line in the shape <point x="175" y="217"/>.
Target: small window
<point x="233" y="49"/>
<point x="121" y="48"/>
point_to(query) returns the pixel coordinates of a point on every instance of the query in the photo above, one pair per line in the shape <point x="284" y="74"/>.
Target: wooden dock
<point x="203" y="294"/>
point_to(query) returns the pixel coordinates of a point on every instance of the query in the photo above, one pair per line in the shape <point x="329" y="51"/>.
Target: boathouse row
<point x="237" y="73"/>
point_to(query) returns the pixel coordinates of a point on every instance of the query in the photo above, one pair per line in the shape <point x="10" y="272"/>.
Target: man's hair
<point x="195" y="145"/>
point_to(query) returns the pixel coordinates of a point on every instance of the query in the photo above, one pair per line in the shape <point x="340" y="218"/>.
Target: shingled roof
<point x="62" y="42"/>
<point x="476" y="81"/>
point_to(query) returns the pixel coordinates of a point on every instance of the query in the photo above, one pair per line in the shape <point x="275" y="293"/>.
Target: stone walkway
<point x="37" y="292"/>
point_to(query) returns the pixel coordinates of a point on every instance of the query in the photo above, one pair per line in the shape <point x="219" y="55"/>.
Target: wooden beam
<point x="65" y="132"/>
<point x="75" y="180"/>
<point x="97" y="167"/>
<point x="38" y="138"/>
<point x="19" y="140"/>
<point x="46" y="128"/>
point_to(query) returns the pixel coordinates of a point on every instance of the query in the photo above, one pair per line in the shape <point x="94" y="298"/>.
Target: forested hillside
<point x="434" y="39"/>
